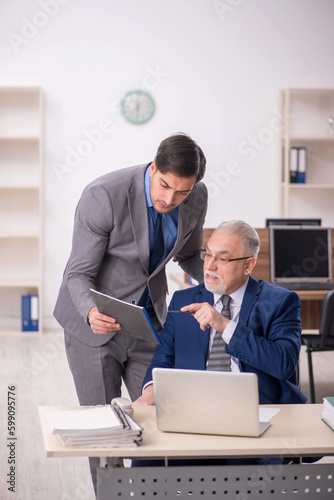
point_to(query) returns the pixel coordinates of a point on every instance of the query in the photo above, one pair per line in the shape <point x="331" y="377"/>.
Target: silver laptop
<point x="207" y="402"/>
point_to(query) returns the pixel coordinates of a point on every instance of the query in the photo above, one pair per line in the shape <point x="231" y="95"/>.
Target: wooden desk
<point x="295" y="431"/>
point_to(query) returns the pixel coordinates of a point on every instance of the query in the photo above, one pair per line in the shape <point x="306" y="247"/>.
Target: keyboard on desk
<point x="307" y="286"/>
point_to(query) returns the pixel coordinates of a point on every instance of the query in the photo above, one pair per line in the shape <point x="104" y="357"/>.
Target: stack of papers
<point x="95" y="427"/>
<point x="328" y="412"/>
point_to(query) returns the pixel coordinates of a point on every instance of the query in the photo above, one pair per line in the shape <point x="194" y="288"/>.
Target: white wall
<point x="217" y="70"/>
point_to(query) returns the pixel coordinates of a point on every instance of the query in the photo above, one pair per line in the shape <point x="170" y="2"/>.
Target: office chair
<point x="324" y="341"/>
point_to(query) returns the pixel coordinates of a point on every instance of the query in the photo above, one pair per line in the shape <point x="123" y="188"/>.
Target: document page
<point x="266" y="414"/>
<point x="87" y="418"/>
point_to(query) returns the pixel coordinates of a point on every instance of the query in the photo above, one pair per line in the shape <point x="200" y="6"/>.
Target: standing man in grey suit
<point x="114" y="251"/>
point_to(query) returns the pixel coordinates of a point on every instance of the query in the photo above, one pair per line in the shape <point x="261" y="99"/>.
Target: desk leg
<point x="310" y="373"/>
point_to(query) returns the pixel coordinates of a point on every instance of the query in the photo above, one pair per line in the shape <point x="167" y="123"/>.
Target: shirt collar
<point x="236" y="296"/>
<point x="147" y="186"/>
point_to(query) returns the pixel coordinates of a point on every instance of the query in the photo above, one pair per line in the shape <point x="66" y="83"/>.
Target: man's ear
<point x="152" y="168"/>
<point x="249" y="265"/>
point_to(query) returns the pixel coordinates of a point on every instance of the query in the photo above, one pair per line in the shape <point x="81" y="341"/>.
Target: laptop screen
<point x="300" y="254"/>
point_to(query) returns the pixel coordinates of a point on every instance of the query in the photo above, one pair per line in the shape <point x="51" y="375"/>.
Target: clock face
<point x="137" y="106"/>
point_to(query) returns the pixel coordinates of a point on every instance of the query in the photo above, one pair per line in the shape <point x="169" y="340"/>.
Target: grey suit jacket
<point x="110" y="249"/>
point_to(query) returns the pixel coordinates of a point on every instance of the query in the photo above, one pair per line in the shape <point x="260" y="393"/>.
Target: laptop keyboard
<point x="307" y="286"/>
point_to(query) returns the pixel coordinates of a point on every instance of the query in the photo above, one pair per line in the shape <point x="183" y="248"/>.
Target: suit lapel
<point x="138" y="216"/>
<point x="184" y="225"/>
<point x="204" y="296"/>
<point x="250" y="297"/>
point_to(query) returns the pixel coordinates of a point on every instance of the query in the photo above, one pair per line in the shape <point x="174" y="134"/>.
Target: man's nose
<point x="212" y="263"/>
<point x="169" y="198"/>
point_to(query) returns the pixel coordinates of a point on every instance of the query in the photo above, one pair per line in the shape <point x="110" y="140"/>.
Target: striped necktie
<point x="218" y="359"/>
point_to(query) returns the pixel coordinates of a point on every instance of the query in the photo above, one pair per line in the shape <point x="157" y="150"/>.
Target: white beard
<point x="220" y="288"/>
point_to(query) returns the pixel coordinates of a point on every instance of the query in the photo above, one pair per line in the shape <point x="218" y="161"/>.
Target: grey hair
<point x="250" y="241"/>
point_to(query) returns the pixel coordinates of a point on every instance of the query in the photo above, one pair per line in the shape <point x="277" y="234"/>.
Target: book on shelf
<point x="297" y="164"/>
<point x="134" y="319"/>
<point x="293" y="165"/>
<point x="328" y="412"/>
<point x="191" y="281"/>
<point x="106" y="426"/>
<point x="301" y="168"/>
<point x="29" y="313"/>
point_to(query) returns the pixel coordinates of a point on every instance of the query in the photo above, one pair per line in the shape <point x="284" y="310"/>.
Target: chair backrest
<point x="326" y="322"/>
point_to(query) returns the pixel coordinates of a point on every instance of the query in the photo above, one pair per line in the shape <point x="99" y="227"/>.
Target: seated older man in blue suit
<point x="261" y="333"/>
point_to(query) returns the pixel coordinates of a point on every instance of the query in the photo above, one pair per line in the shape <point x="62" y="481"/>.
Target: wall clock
<point x="137" y="106"/>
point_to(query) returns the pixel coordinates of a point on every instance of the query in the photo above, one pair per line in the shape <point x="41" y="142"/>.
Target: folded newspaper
<point x="106" y="426"/>
<point x="328" y="412"/>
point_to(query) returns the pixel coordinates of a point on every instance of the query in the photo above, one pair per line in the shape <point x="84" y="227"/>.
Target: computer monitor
<point x="293" y="222"/>
<point x="300" y="254"/>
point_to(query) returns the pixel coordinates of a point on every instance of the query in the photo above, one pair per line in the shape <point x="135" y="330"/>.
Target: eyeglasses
<point x="219" y="260"/>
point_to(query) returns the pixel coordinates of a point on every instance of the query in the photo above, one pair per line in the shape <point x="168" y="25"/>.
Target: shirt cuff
<point x="229" y="330"/>
<point x="148" y="383"/>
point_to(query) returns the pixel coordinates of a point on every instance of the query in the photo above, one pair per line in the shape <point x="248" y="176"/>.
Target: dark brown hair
<point x="181" y="156"/>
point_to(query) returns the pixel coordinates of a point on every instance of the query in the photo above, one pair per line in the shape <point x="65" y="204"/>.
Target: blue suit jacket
<point x="266" y="340"/>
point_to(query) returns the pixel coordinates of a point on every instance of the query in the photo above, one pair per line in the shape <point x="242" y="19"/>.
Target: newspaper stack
<point x="106" y="426"/>
<point x="328" y="412"/>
